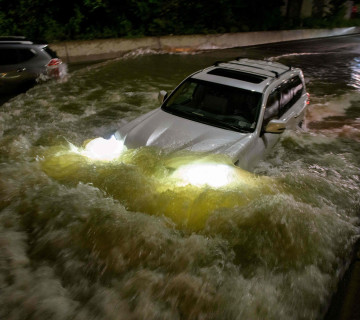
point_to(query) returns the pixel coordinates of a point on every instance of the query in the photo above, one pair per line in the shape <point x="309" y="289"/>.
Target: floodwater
<point x="90" y="239"/>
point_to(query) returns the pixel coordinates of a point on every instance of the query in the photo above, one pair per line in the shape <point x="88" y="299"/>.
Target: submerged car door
<point x="263" y="142"/>
<point x="13" y="67"/>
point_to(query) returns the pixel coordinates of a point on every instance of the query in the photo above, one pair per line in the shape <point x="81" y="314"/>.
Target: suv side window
<point x="272" y="107"/>
<point x="298" y="88"/>
<point x="25" y="55"/>
<point x="290" y="92"/>
<point x="8" y="56"/>
<point x="14" y="56"/>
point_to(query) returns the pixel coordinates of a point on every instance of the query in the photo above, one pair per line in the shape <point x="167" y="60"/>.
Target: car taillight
<point x="54" y="62"/>
<point x="53" y="68"/>
<point x="308" y="98"/>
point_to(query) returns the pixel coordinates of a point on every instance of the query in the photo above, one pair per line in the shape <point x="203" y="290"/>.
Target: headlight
<point x="211" y="174"/>
<point x="103" y="149"/>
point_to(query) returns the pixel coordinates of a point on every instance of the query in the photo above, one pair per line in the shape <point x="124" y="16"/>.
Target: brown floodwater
<point x="89" y="239"/>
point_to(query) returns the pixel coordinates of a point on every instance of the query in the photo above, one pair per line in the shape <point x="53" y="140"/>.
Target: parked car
<point x="23" y="62"/>
<point x="239" y="108"/>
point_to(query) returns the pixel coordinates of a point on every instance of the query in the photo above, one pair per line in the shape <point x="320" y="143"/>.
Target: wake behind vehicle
<point x="23" y="62"/>
<point x="237" y="108"/>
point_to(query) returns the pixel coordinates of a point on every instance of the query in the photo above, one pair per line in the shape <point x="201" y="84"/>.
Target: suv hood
<point x="161" y="129"/>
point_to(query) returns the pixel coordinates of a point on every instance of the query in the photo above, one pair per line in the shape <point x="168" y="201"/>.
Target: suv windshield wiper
<point x="232" y="126"/>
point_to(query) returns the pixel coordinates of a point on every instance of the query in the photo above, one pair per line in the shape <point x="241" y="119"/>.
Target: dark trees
<point x="88" y="19"/>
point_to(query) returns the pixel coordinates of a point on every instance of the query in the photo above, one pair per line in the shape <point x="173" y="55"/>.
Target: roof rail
<point x="20" y="38"/>
<point x="250" y="66"/>
<point x="217" y="63"/>
<point x="277" y="74"/>
<point x="264" y="62"/>
<point x="15" y="39"/>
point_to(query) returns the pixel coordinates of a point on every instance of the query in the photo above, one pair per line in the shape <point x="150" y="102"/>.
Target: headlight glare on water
<point x="212" y="174"/>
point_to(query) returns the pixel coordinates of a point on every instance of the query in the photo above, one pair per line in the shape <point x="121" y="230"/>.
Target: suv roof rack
<point x="14" y="40"/>
<point x="264" y="66"/>
<point x="277" y="69"/>
<point x="217" y="63"/>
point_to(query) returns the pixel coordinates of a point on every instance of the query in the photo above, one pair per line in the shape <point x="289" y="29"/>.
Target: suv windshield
<point x="215" y="104"/>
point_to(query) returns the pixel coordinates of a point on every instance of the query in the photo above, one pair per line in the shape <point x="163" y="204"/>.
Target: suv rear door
<point x="13" y="64"/>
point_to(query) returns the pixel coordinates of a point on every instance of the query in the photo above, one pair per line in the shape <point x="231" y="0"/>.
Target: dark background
<point x="52" y="20"/>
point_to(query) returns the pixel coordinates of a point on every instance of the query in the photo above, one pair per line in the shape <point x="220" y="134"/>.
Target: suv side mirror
<point x="275" y="126"/>
<point x="162" y="96"/>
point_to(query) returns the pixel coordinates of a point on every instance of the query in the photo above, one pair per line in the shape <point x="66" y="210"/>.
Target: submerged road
<point x="84" y="239"/>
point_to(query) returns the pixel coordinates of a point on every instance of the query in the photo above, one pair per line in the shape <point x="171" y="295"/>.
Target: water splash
<point x="294" y="54"/>
<point x="355" y="74"/>
<point x="339" y="117"/>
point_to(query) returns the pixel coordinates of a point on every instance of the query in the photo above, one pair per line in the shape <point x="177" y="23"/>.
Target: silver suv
<point x="22" y="62"/>
<point x="238" y="108"/>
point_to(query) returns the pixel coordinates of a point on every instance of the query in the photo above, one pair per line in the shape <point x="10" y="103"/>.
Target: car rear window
<point x="238" y="75"/>
<point x="50" y="52"/>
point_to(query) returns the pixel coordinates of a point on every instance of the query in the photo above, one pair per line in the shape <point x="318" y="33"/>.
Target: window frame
<point x="283" y="107"/>
<point x="290" y="84"/>
<point x="272" y="116"/>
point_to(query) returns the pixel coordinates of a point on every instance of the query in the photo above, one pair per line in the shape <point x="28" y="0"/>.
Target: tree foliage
<point x="88" y="19"/>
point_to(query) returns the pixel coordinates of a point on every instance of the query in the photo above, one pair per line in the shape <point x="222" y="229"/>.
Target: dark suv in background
<point x="22" y="63"/>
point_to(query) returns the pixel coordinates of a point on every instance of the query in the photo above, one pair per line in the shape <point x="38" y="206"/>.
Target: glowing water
<point x="122" y="239"/>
